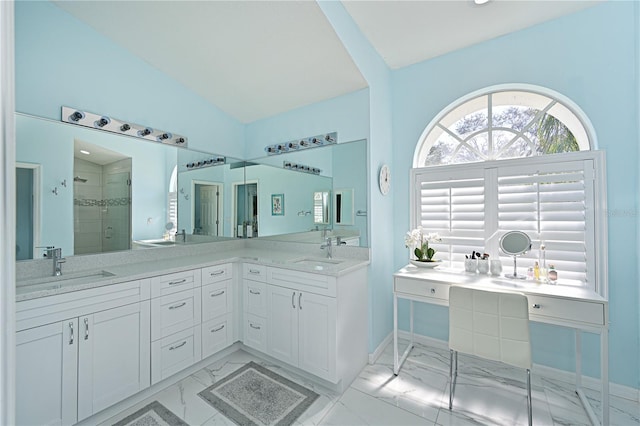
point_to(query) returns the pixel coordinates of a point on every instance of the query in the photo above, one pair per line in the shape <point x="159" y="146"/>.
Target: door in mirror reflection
<point x="207" y="208"/>
<point x="246" y="207"/>
<point x="27" y="220"/>
<point x="102" y="202"/>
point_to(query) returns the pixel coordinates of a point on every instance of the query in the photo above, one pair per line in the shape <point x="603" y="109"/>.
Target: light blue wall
<point x="62" y="61"/>
<point x="381" y="151"/>
<point x="591" y="58"/>
<point x="348" y="115"/>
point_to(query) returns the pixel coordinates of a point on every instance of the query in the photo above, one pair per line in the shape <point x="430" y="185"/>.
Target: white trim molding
<point x="7" y="215"/>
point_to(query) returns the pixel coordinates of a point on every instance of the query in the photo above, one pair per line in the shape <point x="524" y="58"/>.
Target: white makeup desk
<point x="568" y="306"/>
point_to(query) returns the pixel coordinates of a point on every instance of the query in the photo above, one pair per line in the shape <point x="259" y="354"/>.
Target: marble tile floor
<point x="486" y="394"/>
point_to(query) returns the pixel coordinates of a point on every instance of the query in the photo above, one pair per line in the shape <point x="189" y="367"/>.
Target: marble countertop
<point x="33" y="288"/>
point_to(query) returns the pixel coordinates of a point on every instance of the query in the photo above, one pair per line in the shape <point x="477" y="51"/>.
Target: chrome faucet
<point x="55" y="254"/>
<point x="184" y="235"/>
<point x="328" y="247"/>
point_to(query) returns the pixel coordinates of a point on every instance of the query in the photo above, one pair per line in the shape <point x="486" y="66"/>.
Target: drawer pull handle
<point x="254" y="326"/>
<point x="86" y="329"/>
<point x="536" y="306"/>
<point x="71" y="331"/>
<point x="293" y="297"/>
<point x="178" y="282"/>
<point x="217" y="329"/>
<point x="254" y="291"/>
<point x="433" y="291"/>
<point x="254" y="271"/>
<point x="178" y="346"/>
<point x="179" y="305"/>
<point x="219" y="293"/>
<point x="219" y="272"/>
<point x="300" y="301"/>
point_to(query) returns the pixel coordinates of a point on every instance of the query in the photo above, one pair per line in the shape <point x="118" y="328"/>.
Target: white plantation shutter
<point x="172" y="213"/>
<point x="552" y="203"/>
<point x="551" y="198"/>
<point x="453" y="205"/>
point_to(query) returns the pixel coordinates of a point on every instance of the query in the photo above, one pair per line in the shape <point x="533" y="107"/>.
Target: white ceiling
<point x="408" y="32"/>
<point x="255" y="59"/>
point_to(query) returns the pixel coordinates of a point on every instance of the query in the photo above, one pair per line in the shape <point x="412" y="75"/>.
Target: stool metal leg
<point x="529" y="405"/>
<point x="453" y="375"/>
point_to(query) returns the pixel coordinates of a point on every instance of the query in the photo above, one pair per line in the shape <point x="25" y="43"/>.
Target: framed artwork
<point x="277" y="204"/>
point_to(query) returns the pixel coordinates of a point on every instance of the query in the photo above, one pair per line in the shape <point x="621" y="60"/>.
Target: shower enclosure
<point x="102" y="205"/>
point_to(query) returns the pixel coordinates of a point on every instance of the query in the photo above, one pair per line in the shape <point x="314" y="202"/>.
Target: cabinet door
<point x="282" y="324"/>
<point x="46" y="373"/>
<point x="114" y="356"/>
<point x="317" y="331"/>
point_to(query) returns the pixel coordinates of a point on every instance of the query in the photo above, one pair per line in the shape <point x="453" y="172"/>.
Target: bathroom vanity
<point x="91" y="339"/>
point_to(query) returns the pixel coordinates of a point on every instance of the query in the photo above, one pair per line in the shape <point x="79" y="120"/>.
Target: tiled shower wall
<point x="102" y="206"/>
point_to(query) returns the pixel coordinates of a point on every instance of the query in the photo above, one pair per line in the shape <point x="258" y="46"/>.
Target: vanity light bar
<point x="301" y="168"/>
<point x="213" y="161"/>
<point x="109" y="124"/>
<point x="305" y="143"/>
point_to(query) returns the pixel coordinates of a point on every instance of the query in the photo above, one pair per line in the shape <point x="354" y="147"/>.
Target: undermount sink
<point x="57" y="282"/>
<point x="318" y="263"/>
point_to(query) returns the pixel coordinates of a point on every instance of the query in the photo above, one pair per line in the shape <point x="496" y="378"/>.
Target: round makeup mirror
<point x="515" y="243"/>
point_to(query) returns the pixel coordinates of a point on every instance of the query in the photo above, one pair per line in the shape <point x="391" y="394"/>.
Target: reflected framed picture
<point x="277" y="204"/>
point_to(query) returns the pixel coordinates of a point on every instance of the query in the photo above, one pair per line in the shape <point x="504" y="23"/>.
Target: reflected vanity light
<point x="208" y="162"/>
<point x="298" y="144"/>
<point x="186" y="196"/>
<point x="300" y="168"/>
<point x="304" y="212"/>
<point x="110" y="124"/>
<point x="85" y="152"/>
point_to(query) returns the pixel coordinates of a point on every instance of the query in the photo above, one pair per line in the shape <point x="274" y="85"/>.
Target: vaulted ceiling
<point x="255" y="59"/>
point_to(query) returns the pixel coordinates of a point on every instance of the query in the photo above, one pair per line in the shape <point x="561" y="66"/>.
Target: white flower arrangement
<point x="417" y="238"/>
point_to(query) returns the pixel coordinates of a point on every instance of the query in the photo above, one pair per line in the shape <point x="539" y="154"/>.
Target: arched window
<point x="500" y="124"/>
<point x="470" y="200"/>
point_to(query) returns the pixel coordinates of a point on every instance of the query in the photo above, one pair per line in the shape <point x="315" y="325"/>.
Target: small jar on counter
<point x="552" y="274"/>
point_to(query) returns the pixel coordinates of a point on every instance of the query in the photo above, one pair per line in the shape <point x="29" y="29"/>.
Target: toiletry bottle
<point x="552" y="274"/>
<point x="536" y="271"/>
<point x="530" y="273"/>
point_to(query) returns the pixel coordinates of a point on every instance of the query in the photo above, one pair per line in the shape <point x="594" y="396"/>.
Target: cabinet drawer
<point x="254" y="272"/>
<point x="217" y="334"/>
<point x="302" y="281"/>
<point x="255" y="332"/>
<point x="216" y="300"/>
<point x="171" y="283"/>
<point x="255" y="298"/>
<point x="422" y="288"/>
<point x="175" y="312"/>
<point x="214" y="274"/>
<point x="566" y="310"/>
<point x="175" y="353"/>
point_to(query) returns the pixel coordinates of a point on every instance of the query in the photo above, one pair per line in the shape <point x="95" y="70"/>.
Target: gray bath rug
<point x="154" y="414"/>
<point x="253" y="395"/>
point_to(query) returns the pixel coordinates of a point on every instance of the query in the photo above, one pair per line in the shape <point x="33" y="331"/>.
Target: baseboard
<point x="588" y="382"/>
<point x="373" y="357"/>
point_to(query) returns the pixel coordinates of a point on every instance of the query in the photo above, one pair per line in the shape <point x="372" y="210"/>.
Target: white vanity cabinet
<point x="318" y="323"/>
<point x="46" y="374"/>
<point x="176" y="317"/>
<point x="254" y="295"/>
<point x="80" y="352"/>
<point x="217" y="308"/>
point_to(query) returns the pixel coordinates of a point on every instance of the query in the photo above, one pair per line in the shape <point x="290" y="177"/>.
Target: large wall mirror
<point x="343" y="170"/>
<point x="89" y="191"/>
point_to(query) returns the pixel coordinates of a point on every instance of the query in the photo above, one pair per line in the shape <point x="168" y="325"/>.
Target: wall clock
<point x="384" y="179"/>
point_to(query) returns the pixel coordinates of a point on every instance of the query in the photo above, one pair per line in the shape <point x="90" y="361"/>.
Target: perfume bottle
<point x="536" y="271"/>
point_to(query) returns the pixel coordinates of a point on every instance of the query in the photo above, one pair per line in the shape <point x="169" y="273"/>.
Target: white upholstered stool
<point x="489" y="325"/>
